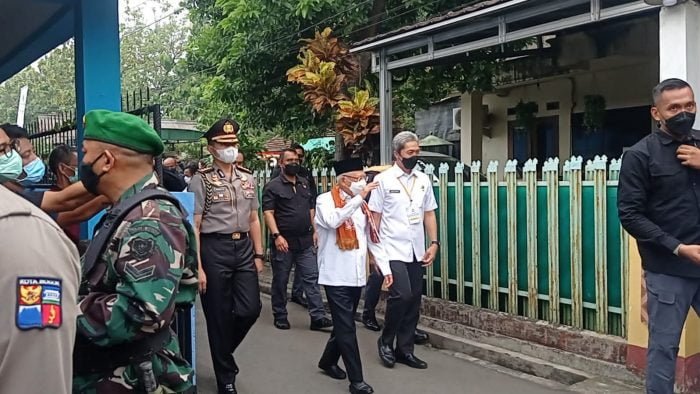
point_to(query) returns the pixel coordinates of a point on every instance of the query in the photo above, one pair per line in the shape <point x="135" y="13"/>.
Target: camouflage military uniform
<point x="151" y="265"/>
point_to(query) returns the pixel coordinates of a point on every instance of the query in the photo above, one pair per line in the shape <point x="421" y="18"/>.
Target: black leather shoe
<point x="228" y="389"/>
<point x="282" y="324"/>
<point x="361" y="388"/>
<point x="320" y="324"/>
<point x="412" y="361"/>
<point x="370" y="322"/>
<point x="420" y="337"/>
<point x="300" y="300"/>
<point x="386" y="354"/>
<point x="333" y="371"/>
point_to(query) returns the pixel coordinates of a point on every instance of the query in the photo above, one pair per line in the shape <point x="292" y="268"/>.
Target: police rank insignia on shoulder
<point x="38" y="303"/>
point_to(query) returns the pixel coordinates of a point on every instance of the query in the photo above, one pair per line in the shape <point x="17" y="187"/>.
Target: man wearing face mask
<point x="231" y="253"/>
<point x="658" y="204"/>
<point x="63" y="162"/>
<point x="289" y="207"/>
<point x="139" y="268"/>
<point x="304" y="172"/>
<point x="52" y="202"/>
<point x="172" y="180"/>
<point x="33" y="168"/>
<point x="404" y="206"/>
<point x="346" y="233"/>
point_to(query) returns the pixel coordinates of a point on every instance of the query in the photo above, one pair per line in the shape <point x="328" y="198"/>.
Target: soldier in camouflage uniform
<point x="148" y="268"/>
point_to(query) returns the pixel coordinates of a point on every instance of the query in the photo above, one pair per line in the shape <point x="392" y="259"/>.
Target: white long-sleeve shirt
<point x="344" y="267"/>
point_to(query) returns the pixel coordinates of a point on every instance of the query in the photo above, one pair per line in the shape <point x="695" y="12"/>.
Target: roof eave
<point x="384" y="42"/>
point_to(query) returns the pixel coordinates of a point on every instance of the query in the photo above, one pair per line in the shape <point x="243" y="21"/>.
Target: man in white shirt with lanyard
<point x="404" y="206"/>
<point x="345" y="232"/>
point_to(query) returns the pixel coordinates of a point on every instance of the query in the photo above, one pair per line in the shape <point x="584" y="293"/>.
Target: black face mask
<point x="292" y="169"/>
<point x="409" y="162"/>
<point x="681" y="124"/>
<point x="88" y="177"/>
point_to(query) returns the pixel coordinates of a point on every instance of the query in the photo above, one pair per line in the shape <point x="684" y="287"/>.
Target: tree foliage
<point x="152" y="57"/>
<point x="243" y="48"/>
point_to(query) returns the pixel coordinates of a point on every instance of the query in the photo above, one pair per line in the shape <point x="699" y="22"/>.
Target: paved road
<point x="274" y="361"/>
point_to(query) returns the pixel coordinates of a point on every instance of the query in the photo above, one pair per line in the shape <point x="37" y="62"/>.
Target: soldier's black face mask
<point x="681" y="124"/>
<point x="88" y="177"/>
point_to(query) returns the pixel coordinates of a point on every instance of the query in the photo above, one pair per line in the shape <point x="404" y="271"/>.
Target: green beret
<point x="122" y="129"/>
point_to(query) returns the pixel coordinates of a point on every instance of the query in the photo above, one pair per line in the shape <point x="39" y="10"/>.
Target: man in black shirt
<point x="659" y="205"/>
<point x="288" y="205"/>
<point x="297" y="288"/>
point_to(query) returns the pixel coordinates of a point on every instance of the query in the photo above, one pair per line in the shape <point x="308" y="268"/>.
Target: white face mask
<point x="227" y="155"/>
<point x="357" y="187"/>
<point x="187" y="179"/>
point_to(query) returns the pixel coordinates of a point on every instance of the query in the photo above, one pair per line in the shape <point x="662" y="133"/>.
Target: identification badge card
<point x="413" y="216"/>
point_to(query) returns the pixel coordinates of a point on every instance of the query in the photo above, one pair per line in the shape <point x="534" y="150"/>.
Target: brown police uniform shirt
<point x="233" y="198"/>
<point x="39" y="287"/>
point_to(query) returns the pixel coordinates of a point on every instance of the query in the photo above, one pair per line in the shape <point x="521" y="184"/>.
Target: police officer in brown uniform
<point x="39" y="287"/>
<point x="230" y="252"/>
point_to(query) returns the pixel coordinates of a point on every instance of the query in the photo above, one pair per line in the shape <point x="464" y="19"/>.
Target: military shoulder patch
<point x="38" y="303"/>
<point x="206" y="170"/>
<point x="243" y="169"/>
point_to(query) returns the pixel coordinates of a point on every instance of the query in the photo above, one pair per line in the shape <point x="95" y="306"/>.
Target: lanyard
<point x="409" y="192"/>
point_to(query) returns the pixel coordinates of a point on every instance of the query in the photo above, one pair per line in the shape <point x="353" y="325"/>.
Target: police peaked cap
<point x="225" y="131"/>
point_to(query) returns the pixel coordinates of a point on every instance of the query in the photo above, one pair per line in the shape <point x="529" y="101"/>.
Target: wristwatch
<point x="435" y="243"/>
<point x="275" y="235"/>
<point x="259" y="256"/>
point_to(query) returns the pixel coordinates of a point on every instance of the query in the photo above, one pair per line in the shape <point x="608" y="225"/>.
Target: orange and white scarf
<point x="346" y="236"/>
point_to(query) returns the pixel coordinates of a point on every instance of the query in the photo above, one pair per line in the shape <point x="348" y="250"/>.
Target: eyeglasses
<point x="8" y="148"/>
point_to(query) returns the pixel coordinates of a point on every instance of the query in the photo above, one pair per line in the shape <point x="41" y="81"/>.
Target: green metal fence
<point x="546" y="244"/>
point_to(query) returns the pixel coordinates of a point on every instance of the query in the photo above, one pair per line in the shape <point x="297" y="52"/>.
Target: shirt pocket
<point x="668" y="175"/>
<point x="220" y="194"/>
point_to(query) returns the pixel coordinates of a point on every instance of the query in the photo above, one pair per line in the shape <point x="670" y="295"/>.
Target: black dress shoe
<point x="300" y="300"/>
<point x="282" y="324"/>
<point x="386" y="353"/>
<point x="420" y="337"/>
<point x="333" y="371"/>
<point x="228" y="389"/>
<point x="320" y="324"/>
<point x="371" y="323"/>
<point x="361" y="388"/>
<point x="412" y="361"/>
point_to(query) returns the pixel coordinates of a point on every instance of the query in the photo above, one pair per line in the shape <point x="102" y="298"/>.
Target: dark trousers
<point x="669" y="299"/>
<point x="232" y="301"/>
<point x="343" y="301"/>
<point x="304" y="261"/>
<point x="372" y="292"/>
<point x="403" y="306"/>
<point x="297" y="285"/>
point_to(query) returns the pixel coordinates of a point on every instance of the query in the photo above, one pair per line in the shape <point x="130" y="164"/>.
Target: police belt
<point x="89" y="358"/>
<point x="235" y="236"/>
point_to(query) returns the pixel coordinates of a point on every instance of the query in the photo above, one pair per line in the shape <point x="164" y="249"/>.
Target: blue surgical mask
<point x="35" y="172"/>
<point x="10" y="166"/>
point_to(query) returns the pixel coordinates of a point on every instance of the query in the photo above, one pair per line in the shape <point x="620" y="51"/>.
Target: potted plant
<point x="594" y="112"/>
<point x="525" y="116"/>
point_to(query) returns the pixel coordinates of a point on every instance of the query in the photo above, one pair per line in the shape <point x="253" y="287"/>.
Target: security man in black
<point x="659" y="205"/>
<point x="230" y="252"/>
<point x="288" y="206"/>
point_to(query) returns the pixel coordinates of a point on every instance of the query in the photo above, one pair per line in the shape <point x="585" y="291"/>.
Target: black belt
<point x="235" y="236"/>
<point x="89" y="358"/>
